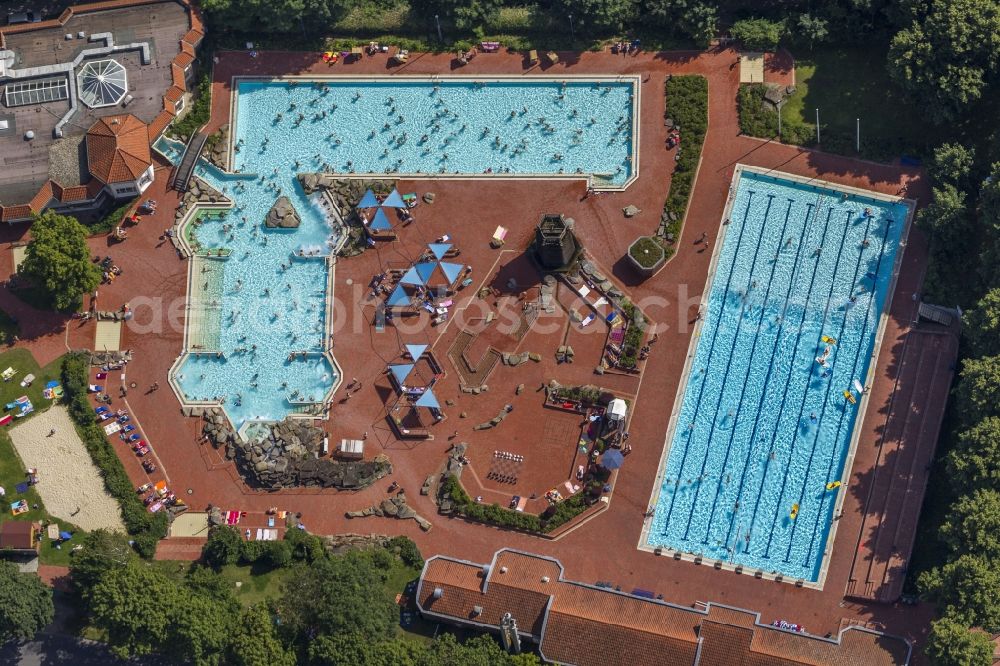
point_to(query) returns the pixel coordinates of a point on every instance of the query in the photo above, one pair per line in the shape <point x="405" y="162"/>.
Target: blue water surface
<point x="430" y="127"/>
<point x="763" y="425"/>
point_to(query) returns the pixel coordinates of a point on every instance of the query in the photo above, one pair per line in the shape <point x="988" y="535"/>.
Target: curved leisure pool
<point x="764" y="428"/>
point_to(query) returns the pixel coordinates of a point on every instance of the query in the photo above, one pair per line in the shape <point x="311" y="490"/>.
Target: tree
<point x="25" y="604"/>
<point x="57" y="260"/>
<point x="975" y="462"/>
<point x="338" y="595"/>
<point x="978" y="392"/>
<point x="222" y="547"/>
<point x="946" y="218"/>
<point x="690" y="18"/>
<point x="951" y="643"/>
<point x="135" y="606"/>
<point x="952" y="164"/>
<point x="968" y="589"/>
<point x="982" y="325"/>
<point x="812" y="28"/>
<point x="101" y="550"/>
<point x="465" y="14"/>
<point x="973" y="524"/>
<point x="200" y="629"/>
<point x="989" y="219"/>
<point x="944" y="60"/>
<point x="758" y="34"/>
<point x="593" y="16"/>
<point x="256" y="643"/>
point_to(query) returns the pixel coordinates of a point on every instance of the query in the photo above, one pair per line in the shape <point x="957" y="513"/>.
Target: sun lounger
<point x="8" y="374"/>
<point x="587" y="321"/>
<point x="521" y="503"/>
<point x="112" y="428"/>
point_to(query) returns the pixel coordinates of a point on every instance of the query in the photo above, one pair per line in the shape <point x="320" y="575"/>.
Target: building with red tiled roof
<point x="118" y="155"/>
<point x="574" y="623"/>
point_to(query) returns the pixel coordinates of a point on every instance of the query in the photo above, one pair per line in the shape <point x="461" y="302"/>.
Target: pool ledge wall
<point x="675" y="554"/>
<point x="596" y="183"/>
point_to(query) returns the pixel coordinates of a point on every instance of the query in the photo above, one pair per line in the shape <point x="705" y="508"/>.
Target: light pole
<point x="817" y="126"/>
<point x="779" y="121"/>
<point x="572" y="30"/>
<point x="437" y="21"/>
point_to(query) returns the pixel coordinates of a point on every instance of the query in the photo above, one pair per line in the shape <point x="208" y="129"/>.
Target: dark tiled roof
<point x="189" y="42"/>
<point x="585" y="625"/>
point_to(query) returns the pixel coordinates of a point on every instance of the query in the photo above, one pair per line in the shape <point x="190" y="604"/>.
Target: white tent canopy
<point x="617" y="409"/>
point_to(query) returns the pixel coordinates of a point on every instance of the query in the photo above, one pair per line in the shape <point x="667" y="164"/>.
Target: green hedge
<point x="199" y="112"/>
<point x="494" y="514"/>
<point x="144" y="527"/>
<point x="111" y="220"/>
<point x="687" y="105"/>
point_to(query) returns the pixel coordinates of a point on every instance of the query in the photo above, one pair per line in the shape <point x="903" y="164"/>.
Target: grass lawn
<point x="845" y="84"/>
<point x="12" y="470"/>
<point x="255" y="588"/>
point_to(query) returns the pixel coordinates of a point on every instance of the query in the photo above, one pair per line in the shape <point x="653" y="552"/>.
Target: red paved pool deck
<point x="604" y="548"/>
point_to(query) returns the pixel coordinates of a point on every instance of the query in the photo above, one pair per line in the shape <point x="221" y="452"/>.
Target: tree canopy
<point x="945" y="58"/>
<point x="57" y="259"/>
<point x="968" y="588"/>
<point x="25" y="604"/>
<point x="758" y="34"/>
<point x="950" y="643"/>
<point x="338" y="595"/>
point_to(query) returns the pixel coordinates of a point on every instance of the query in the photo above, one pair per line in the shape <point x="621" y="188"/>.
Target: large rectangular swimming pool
<point x="443" y="126"/>
<point x="771" y="396"/>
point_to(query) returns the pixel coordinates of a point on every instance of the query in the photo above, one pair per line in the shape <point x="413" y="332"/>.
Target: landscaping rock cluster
<point x="392" y="507"/>
<point x="110" y="357"/>
<point x="346" y="192"/>
<point x="631" y="211"/>
<point x="338" y="544"/>
<point x="216" y="149"/>
<point x="288" y="457"/>
<point x="518" y="359"/>
<point x="496" y="420"/>
<point x="282" y="215"/>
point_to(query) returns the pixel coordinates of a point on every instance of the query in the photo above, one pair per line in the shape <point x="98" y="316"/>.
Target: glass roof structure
<point x="36" y="91"/>
<point x="102" y="83"/>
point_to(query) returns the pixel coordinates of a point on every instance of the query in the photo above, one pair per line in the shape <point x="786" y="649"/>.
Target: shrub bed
<point x="761" y="121"/>
<point x="494" y="514"/>
<point x="687" y="106"/>
<point x="144" y="527"/>
<point x="199" y="113"/>
<point x="111" y="220"/>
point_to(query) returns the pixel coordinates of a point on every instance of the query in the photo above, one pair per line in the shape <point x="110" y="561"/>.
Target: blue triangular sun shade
<point x="451" y="271"/>
<point x="425" y="270"/>
<point x="398" y="298"/>
<point x="416" y="350"/>
<point x="428" y="400"/>
<point x="439" y="249"/>
<point x="394" y="200"/>
<point x="401" y="371"/>
<point x="368" y="201"/>
<point x="380" y="222"/>
<point x="412" y="277"/>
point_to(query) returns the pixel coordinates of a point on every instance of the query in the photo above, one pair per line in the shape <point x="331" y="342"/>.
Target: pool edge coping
<point x="848" y="464"/>
<point x="634" y="79"/>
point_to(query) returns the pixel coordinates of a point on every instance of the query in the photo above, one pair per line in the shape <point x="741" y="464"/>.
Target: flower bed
<point x="647" y="254"/>
<point x="555" y="516"/>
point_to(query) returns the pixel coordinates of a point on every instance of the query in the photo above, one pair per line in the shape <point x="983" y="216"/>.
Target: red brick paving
<point x="605" y="547"/>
